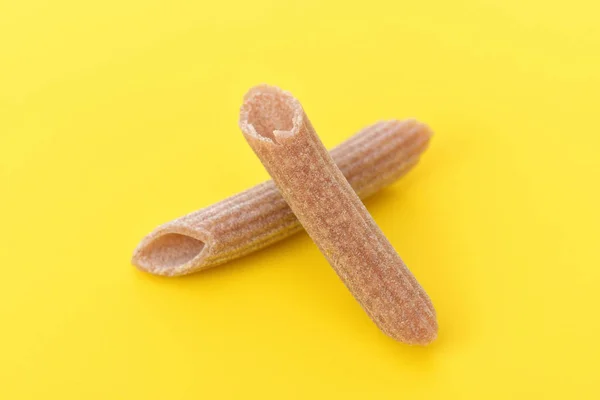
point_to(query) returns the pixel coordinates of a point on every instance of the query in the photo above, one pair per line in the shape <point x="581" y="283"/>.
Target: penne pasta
<point x="279" y="132"/>
<point x="373" y="158"/>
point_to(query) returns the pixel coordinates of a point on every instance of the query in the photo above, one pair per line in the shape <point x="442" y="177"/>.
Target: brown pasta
<point x="281" y="135"/>
<point x="372" y="159"/>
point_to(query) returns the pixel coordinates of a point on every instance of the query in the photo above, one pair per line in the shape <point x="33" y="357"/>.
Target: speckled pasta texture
<point x="373" y="158"/>
<point x="279" y="132"/>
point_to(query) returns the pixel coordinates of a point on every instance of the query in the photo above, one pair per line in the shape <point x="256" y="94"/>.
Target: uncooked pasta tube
<point x="372" y="159"/>
<point x="283" y="138"/>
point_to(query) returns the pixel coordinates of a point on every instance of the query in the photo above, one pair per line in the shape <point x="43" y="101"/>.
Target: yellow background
<point x="116" y="116"/>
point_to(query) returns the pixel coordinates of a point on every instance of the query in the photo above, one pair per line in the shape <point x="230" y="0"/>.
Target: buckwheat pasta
<point x="283" y="138"/>
<point x="373" y="158"/>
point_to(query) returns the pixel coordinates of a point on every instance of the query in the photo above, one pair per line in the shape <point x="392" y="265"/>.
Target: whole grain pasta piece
<point x="371" y="159"/>
<point x="278" y="130"/>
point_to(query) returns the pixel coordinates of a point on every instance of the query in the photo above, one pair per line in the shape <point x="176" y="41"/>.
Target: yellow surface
<point x="117" y="116"/>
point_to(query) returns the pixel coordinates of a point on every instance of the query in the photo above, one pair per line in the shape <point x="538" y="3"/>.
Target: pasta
<point x="277" y="129"/>
<point x="373" y="158"/>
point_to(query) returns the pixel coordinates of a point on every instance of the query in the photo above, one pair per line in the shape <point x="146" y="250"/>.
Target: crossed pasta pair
<point x="317" y="191"/>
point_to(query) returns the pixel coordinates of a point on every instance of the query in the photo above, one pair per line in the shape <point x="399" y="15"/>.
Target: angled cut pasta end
<point x="270" y="114"/>
<point x="171" y="250"/>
